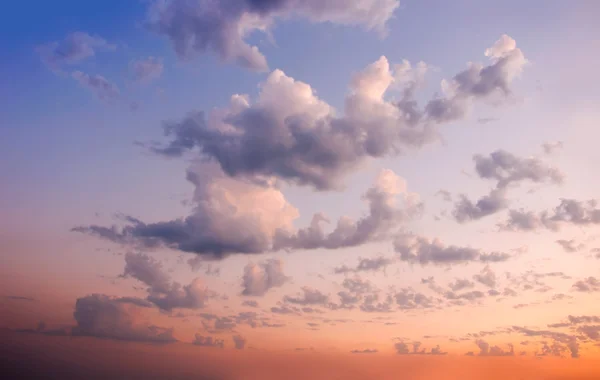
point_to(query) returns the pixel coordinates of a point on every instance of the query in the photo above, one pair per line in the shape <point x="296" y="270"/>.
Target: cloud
<point x="100" y="86"/>
<point x="208" y="341"/>
<point x="408" y="299"/>
<point x="403" y="349"/>
<point x="239" y="342"/>
<point x="486" y="277"/>
<point x="569" y="211"/>
<point x="75" y="48"/>
<point x="365" y="351"/>
<point x="486" y="350"/>
<point x="479" y="82"/>
<point x="362" y="293"/>
<point x="102" y="316"/>
<point x="222" y="28"/>
<point x="562" y="341"/>
<point x="460" y="284"/>
<point x="250" y="303"/>
<point x="418" y="249"/>
<point x="365" y="265"/>
<point x="309" y="296"/>
<point x="589" y="284"/>
<point x="570" y="246"/>
<point x="162" y="292"/>
<point x="262" y="220"/>
<point x="552" y="147"/>
<point x="146" y="70"/>
<point x="20" y="298"/>
<point x="302" y="139"/>
<point x="507" y="168"/>
<point x="259" y="278"/>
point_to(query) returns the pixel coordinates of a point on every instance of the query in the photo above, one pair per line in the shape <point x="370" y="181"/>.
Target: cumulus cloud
<point x="302" y="139"/>
<point x="561" y="342"/>
<point x="75" y="48"/>
<point x="242" y="216"/>
<point x="309" y="296"/>
<point x="162" y="292"/>
<point x="486" y="277"/>
<point x="365" y="265"/>
<point x="239" y="342"/>
<point x="98" y="85"/>
<point x="570" y="246"/>
<point x="418" y="249"/>
<point x="102" y="316"/>
<point x="208" y="341"/>
<point x="505" y="168"/>
<point x="589" y="284"/>
<point x="552" y="147"/>
<point x="403" y="348"/>
<point x="460" y="284"/>
<point x="222" y="28"/>
<point x="146" y="70"/>
<point x="568" y="212"/>
<point x="259" y="278"/>
<point x="486" y="350"/>
<point x="365" y="295"/>
<point x="365" y="351"/>
<point x="479" y="81"/>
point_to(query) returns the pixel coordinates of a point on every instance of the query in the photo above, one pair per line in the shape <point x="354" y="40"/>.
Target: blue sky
<point x="69" y="159"/>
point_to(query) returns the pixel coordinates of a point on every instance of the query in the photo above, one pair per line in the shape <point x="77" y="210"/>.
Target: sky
<point x="377" y="181"/>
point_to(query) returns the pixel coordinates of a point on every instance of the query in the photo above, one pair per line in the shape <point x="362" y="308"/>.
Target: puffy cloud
<point x="208" y="341"/>
<point x="403" y="349"/>
<point x="408" y="299"/>
<point x="75" y="48"/>
<point x="589" y="284"/>
<point x="242" y="216"/>
<point x="384" y="215"/>
<point x="250" y="303"/>
<point x="562" y="341"/>
<point x="486" y="350"/>
<point x="465" y="210"/>
<point x="568" y="211"/>
<point x="102" y="316"/>
<point x="309" y="296"/>
<point x="365" y="351"/>
<point x="196" y="26"/>
<point x="302" y="139"/>
<point x="507" y="168"/>
<point x="365" y="265"/>
<point x="146" y="70"/>
<point x="478" y="81"/>
<point x="460" y="284"/>
<point x="552" y="147"/>
<point x="259" y="278"/>
<point x="239" y="342"/>
<point x="418" y="249"/>
<point x="100" y="86"/>
<point x="570" y="246"/>
<point x="162" y="292"/>
<point x="487" y="277"/>
<point x="362" y="293"/>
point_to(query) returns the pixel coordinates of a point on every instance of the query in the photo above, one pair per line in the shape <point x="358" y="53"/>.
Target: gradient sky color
<point x="479" y="235"/>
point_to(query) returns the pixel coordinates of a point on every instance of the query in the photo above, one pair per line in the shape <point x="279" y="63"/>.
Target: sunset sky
<point x="367" y="179"/>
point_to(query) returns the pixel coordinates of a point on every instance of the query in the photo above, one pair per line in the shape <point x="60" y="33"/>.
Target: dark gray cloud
<point x="146" y="70"/>
<point x="222" y="28"/>
<point x="365" y="265"/>
<point x="418" y="249"/>
<point x="259" y="278"/>
<point x="102" y="316"/>
<point x="75" y="48"/>
<point x="568" y="212"/>
<point x="97" y="84"/>
<point x="239" y="342"/>
<point x="208" y="341"/>
<point x="478" y="81"/>
<point x="589" y="284"/>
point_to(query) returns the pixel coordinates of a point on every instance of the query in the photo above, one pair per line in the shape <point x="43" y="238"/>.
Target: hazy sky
<point x="371" y="176"/>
